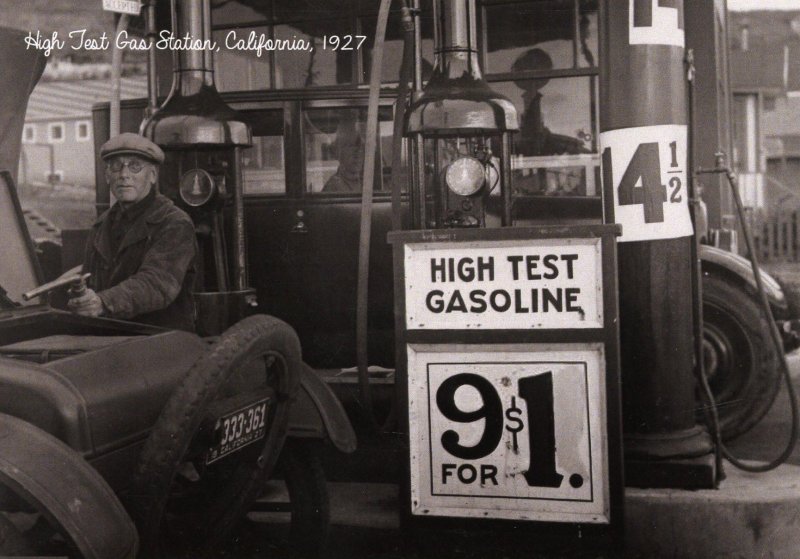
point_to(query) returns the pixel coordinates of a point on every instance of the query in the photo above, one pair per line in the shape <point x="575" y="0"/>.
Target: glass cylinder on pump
<point x="460" y="130"/>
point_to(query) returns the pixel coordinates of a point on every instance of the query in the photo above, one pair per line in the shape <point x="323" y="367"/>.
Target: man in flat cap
<point x="141" y="252"/>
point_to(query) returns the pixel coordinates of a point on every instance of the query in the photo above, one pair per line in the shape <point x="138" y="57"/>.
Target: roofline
<point x="43" y="119"/>
<point x="776" y="91"/>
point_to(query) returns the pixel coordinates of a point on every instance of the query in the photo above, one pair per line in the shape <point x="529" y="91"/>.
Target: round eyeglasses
<point x="134" y="166"/>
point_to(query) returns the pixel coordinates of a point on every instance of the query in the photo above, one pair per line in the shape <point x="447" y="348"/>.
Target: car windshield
<point x="18" y="273"/>
<point x="5" y="300"/>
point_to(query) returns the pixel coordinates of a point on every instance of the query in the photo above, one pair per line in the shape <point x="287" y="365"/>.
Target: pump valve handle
<point x="74" y="278"/>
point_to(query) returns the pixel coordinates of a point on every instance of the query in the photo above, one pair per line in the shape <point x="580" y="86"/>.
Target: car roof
<point x="19" y="268"/>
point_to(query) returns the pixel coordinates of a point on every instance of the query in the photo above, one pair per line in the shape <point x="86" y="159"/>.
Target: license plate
<point x="238" y="429"/>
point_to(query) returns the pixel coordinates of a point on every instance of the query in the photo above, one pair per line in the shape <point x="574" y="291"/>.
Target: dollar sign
<point x="512" y="414"/>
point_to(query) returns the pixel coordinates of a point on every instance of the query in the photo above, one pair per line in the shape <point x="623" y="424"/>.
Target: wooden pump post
<point x="643" y="124"/>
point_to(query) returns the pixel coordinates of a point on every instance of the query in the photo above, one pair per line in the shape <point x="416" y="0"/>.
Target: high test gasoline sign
<point x="552" y="283"/>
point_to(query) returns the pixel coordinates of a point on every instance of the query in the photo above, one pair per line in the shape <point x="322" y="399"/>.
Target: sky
<point x="743" y="5"/>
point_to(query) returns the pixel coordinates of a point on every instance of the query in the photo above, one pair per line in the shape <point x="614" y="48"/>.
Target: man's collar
<point x="132" y="211"/>
<point x="154" y="213"/>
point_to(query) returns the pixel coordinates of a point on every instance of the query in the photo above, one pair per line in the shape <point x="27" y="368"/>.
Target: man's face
<point x="351" y="158"/>
<point x="130" y="177"/>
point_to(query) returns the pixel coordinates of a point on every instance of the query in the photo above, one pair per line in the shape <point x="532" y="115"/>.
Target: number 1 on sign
<point x="537" y="391"/>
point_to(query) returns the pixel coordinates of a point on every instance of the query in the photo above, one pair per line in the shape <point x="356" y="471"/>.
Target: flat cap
<point x="132" y="144"/>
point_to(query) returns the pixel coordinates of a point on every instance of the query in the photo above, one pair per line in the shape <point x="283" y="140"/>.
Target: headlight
<point x="465" y="176"/>
<point x="196" y="187"/>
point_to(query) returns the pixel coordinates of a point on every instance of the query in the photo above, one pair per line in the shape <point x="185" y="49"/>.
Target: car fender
<point x="317" y="412"/>
<point x="738" y="268"/>
<point x="57" y="481"/>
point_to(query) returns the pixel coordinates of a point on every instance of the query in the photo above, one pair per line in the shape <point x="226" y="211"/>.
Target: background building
<point x="765" y="72"/>
<point x="57" y="142"/>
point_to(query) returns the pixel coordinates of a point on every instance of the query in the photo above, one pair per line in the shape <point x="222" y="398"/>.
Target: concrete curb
<point x="750" y="516"/>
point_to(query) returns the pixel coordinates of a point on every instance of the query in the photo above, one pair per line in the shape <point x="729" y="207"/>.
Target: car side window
<point x="264" y="168"/>
<point x="334" y="149"/>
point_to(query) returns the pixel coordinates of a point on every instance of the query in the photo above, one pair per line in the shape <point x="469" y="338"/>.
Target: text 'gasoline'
<point x="553" y="268"/>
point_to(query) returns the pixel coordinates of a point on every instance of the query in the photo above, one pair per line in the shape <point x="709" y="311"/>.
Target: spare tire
<point x="740" y="358"/>
<point x="189" y="488"/>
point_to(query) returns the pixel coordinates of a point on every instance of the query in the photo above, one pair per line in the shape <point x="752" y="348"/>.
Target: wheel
<point x="13" y="542"/>
<point x="739" y="356"/>
<point x="52" y="502"/>
<point x="304" y="477"/>
<point x="29" y="533"/>
<point x="293" y="512"/>
<point x="189" y="488"/>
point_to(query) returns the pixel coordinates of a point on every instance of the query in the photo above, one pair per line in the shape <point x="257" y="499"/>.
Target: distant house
<point x="765" y="76"/>
<point x="782" y="134"/>
<point x="57" y="144"/>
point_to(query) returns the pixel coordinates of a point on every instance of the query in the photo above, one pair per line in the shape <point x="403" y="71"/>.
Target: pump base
<point x="679" y="459"/>
<point x="686" y="473"/>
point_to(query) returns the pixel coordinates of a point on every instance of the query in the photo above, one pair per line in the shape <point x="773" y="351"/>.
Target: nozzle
<point x="76" y="281"/>
<point x="77" y="287"/>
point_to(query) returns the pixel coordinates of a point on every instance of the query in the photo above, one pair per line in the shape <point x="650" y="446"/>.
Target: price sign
<point x="131" y="7"/>
<point x="656" y="22"/>
<point x="515" y="432"/>
<point x="646" y="167"/>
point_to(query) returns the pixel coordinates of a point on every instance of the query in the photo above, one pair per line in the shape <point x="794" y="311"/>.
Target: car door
<point x="333" y="137"/>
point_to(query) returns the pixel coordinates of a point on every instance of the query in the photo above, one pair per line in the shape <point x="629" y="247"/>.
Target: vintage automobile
<point x="120" y="436"/>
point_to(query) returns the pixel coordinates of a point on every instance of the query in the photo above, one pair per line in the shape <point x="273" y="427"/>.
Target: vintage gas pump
<point x="203" y="139"/>
<point x="507" y="355"/>
<point x="460" y="131"/>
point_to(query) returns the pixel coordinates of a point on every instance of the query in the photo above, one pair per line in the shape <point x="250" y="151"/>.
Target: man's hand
<point x="88" y="304"/>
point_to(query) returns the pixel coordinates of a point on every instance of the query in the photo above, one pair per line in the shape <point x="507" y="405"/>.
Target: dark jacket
<point x="150" y="277"/>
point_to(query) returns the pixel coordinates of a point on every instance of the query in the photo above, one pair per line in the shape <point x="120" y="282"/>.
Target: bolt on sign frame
<point x="508" y="364"/>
